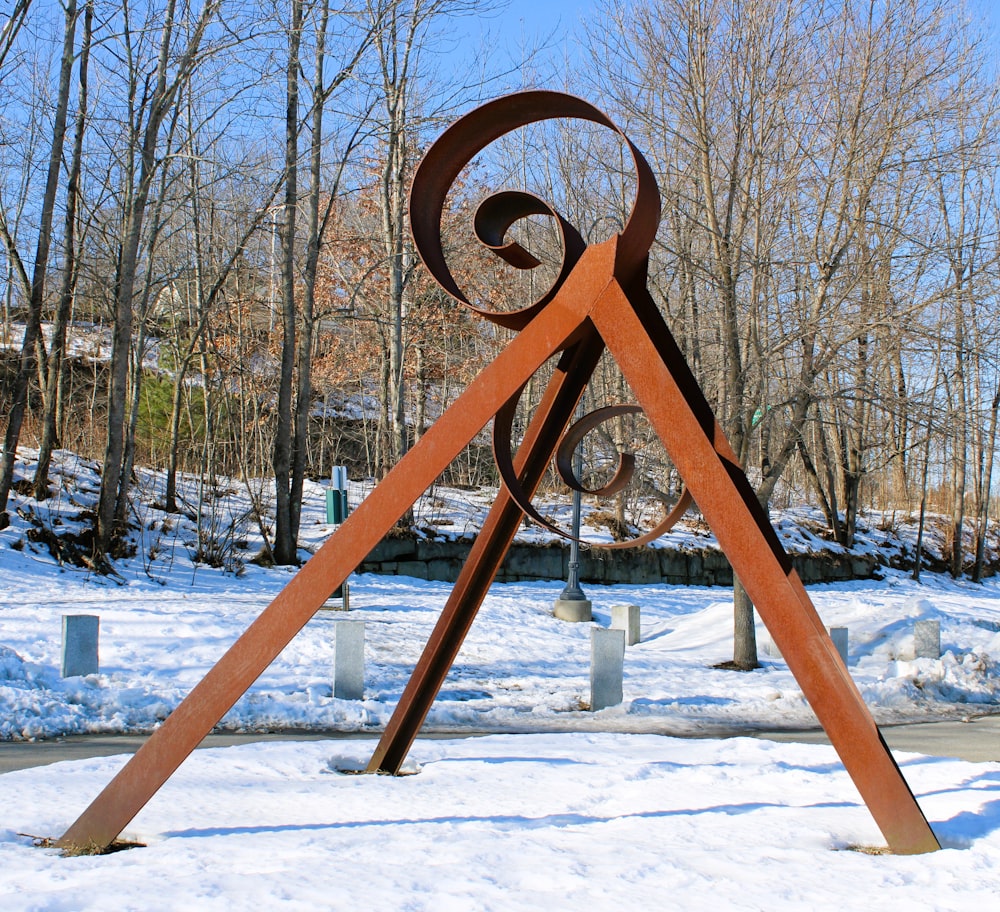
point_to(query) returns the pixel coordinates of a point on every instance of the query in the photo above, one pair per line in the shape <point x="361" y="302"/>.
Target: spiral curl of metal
<point x="477" y="130"/>
<point x="503" y="437"/>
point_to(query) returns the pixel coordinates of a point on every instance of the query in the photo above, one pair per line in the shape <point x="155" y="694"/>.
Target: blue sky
<point x="541" y="16"/>
<point x="527" y="23"/>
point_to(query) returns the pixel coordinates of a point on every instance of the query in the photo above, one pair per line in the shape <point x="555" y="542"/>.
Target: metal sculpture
<point x="599" y="300"/>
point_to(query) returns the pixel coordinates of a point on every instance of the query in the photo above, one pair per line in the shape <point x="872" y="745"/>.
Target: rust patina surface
<point x="598" y="301"/>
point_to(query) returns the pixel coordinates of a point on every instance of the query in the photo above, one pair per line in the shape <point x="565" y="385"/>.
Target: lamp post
<point x="572" y="604"/>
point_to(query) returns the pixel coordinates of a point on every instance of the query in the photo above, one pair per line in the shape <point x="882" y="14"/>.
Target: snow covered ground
<point x="520" y="669"/>
<point x="576" y="808"/>
<point x="507" y="822"/>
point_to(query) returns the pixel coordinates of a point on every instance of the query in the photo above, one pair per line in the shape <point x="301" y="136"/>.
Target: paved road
<point x="15" y="755"/>
<point x="977" y="740"/>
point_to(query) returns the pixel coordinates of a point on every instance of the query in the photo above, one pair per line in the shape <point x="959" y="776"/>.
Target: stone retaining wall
<point x="443" y="560"/>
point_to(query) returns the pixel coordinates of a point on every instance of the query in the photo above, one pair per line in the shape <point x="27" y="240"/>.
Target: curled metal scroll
<point x="503" y="438"/>
<point x="468" y="136"/>
<point x="493" y="218"/>
<point x="574" y="437"/>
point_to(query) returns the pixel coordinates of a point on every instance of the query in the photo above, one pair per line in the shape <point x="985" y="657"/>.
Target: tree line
<point x="223" y="185"/>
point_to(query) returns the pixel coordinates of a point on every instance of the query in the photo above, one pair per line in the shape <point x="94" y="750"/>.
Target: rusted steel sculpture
<point x="599" y="300"/>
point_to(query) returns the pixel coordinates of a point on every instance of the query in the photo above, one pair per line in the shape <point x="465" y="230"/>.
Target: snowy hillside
<point x="165" y="620"/>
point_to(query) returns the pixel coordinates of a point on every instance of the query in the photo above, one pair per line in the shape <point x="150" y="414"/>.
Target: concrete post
<point x="607" y="667"/>
<point x="79" y="644"/>
<point x="626" y="617"/>
<point x="927" y="640"/>
<point x="349" y="660"/>
<point x="839" y="637"/>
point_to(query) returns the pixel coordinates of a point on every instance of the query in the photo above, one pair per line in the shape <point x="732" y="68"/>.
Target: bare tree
<point x="963" y="167"/>
<point x="9" y="30"/>
<point x="298" y="291"/>
<point x="712" y="86"/>
<point x="178" y="56"/>
<point x="56" y="365"/>
<point x="405" y="34"/>
<point x="32" y="330"/>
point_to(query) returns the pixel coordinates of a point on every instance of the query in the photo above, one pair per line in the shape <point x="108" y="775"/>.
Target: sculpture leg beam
<point x="487" y="553"/>
<point x="677" y="410"/>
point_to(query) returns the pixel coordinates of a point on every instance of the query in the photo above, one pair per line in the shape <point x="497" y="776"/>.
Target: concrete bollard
<point x="607" y="667"/>
<point x="927" y="640"/>
<point x="79" y="644"/>
<point x="349" y="660"/>
<point x="839" y="637"/>
<point x="626" y="617"/>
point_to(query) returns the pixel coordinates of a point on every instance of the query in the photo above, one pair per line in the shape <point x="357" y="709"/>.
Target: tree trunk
<point x="983" y="519"/>
<point x="32" y="331"/>
<point x="285" y="551"/>
<point x="56" y="363"/>
<point x="314" y="236"/>
<point x="745" y="640"/>
<point x="959" y="466"/>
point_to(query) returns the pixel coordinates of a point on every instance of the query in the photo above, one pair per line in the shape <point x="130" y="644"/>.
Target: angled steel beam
<point x="652" y="364"/>
<point x="487" y="553"/>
